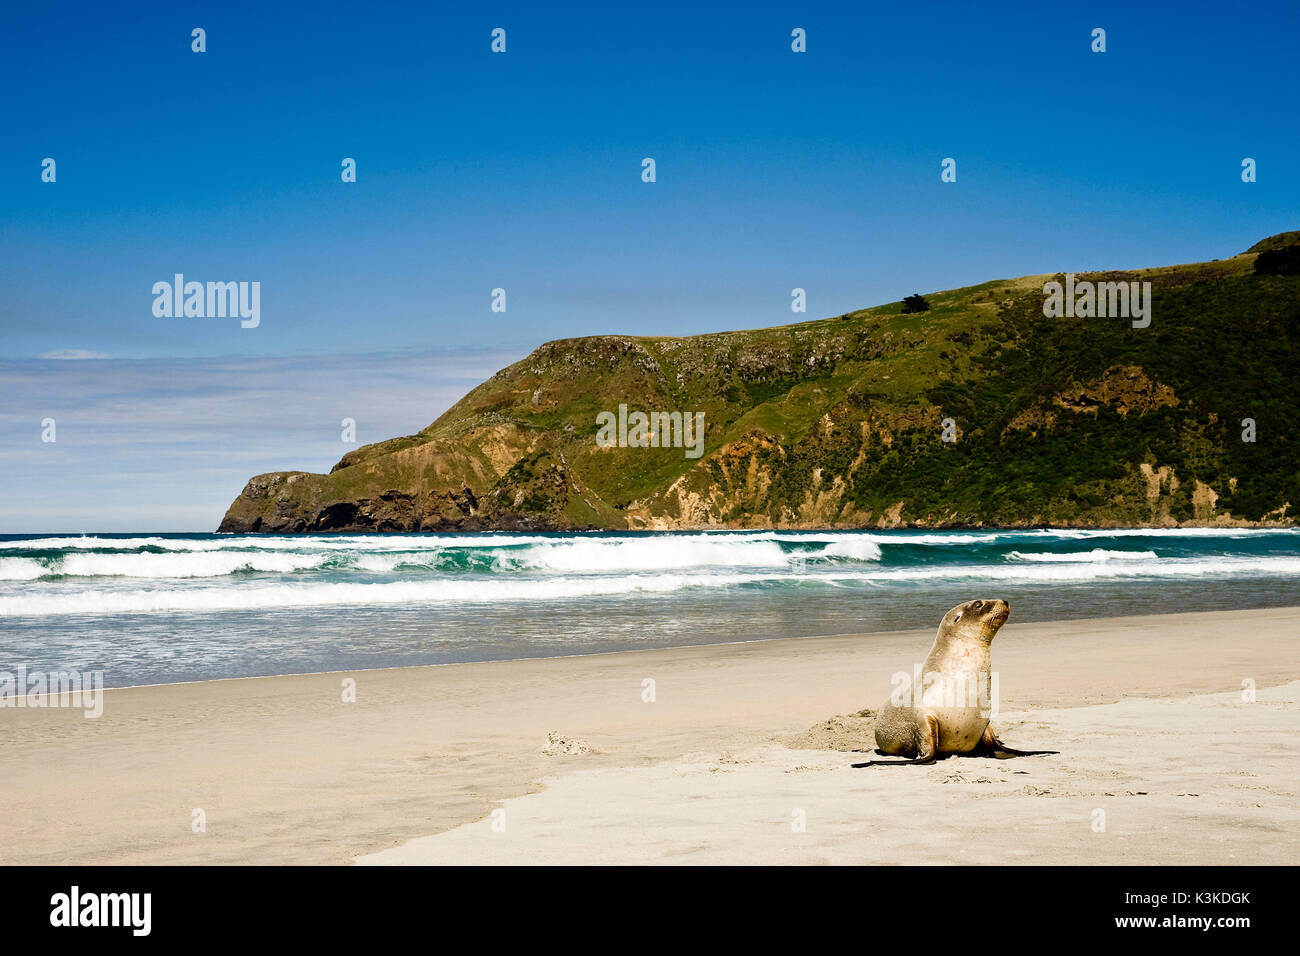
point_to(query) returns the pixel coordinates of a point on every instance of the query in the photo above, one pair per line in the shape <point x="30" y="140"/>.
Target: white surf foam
<point x="20" y="569"/>
<point x="206" y="597"/>
<point x="270" y="543"/>
<point x="1078" y="557"/>
<point x="147" y="564"/>
<point x="657" y="553"/>
<point x="856" y="549"/>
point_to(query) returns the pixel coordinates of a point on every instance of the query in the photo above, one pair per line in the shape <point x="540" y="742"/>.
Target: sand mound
<point x="558" y="745"/>
<point x="844" y="732"/>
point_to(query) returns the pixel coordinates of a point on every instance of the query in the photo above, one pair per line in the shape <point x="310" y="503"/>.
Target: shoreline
<point x="1227" y="523"/>
<point x="285" y="772"/>
<point x="289" y="675"/>
<point x="1232" y="525"/>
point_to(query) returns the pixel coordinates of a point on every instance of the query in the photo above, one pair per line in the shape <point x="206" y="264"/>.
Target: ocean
<point x="165" y="608"/>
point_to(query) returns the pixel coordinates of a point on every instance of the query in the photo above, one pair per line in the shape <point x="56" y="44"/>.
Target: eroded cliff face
<point x="980" y="412"/>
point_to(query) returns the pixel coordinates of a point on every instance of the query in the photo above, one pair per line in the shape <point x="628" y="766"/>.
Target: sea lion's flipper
<point x="892" y="763"/>
<point x="1001" y="751"/>
<point x="990" y="743"/>
<point x="927" y="745"/>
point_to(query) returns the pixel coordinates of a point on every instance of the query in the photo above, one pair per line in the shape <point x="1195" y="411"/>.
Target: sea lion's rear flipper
<point x="926" y="750"/>
<point x="995" y="748"/>
<point x="1003" y="751"/>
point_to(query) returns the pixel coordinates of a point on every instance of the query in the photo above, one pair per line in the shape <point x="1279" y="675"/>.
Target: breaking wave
<point x="106" y="574"/>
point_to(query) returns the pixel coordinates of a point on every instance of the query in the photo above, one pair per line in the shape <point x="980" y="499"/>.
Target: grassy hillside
<point x="838" y="422"/>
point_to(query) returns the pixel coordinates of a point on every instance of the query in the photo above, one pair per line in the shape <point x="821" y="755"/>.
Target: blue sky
<point x="522" y="171"/>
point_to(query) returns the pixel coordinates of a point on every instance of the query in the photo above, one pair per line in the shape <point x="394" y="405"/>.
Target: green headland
<point x="841" y="422"/>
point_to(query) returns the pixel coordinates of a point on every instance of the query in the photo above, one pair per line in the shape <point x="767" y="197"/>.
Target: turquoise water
<point x="163" y="608"/>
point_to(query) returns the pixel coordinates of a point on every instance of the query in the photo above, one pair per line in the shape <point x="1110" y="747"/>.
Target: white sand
<point x="1207" y="780"/>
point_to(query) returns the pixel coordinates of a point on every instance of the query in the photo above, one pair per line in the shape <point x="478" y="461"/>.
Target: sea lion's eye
<point x="977" y="606"/>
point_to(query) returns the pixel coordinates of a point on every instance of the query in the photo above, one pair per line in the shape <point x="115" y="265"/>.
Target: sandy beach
<point x="742" y="757"/>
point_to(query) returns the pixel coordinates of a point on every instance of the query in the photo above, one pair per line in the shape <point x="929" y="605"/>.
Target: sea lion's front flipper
<point x="990" y="743"/>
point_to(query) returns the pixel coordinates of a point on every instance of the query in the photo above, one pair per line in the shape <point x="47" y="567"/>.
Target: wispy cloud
<point x="72" y="355"/>
<point x="166" y="444"/>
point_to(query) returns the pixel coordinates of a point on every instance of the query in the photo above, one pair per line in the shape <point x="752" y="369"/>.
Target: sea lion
<point x="949" y="712"/>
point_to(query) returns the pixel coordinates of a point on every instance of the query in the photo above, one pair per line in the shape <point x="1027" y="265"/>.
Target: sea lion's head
<point x="976" y="620"/>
